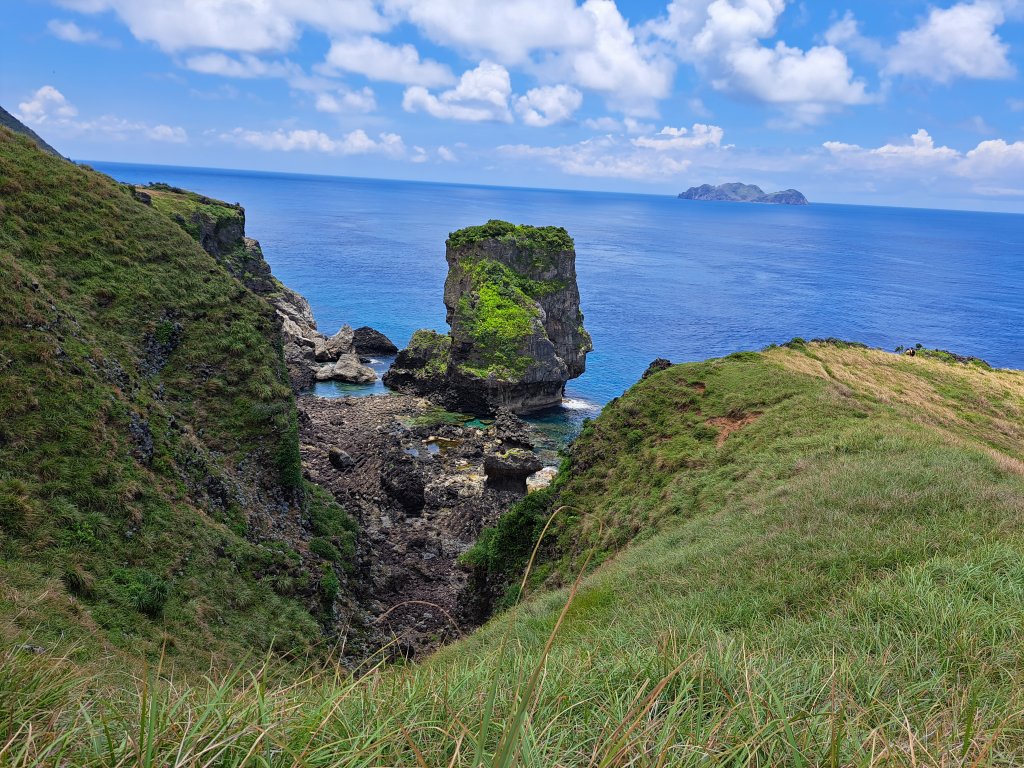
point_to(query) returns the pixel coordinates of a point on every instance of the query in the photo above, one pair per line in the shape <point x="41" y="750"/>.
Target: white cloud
<point x="447" y="155"/>
<point x="628" y="125"/>
<point x="362" y="100"/>
<point x="919" y="152"/>
<point x="378" y="60"/>
<point x="354" y="143"/>
<point x="846" y="34"/>
<point x="244" y="66"/>
<point x="992" y="164"/>
<point x="589" y="45"/>
<point x="47" y="104"/>
<point x="954" y="42"/>
<point x="541" y="107"/>
<point x="508" y="31"/>
<point x="48" y="110"/>
<point x="70" y="32"/>
<point x="1015" y="105"/>
<point x="721" y="39"/>
<point x="235" y="25"/>
<point x="656" y="158"/>
<point x="700" y="136"/>
<point x="612" y="63"/>
<point x="481" y="95"/>
<point x="994" y="158"/>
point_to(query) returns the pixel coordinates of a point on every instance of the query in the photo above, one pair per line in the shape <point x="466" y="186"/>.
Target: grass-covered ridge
<point x="807" y="556"/>
<point x="147" y="430"/>
<point x="540" y="240"/>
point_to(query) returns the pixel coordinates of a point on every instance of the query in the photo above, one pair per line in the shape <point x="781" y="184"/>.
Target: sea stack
<point x="517" y="332"/>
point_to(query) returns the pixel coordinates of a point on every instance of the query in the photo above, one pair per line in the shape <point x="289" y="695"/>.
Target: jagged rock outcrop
<point x="220" y="228"/>
<point x="517" y="332"/>
<point x="372" y="342"/>
<point x="743" y="193"/>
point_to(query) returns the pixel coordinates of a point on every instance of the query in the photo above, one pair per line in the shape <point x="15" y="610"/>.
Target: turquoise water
<point x="659" y="277"/>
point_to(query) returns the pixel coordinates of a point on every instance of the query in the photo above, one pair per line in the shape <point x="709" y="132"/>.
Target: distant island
<point x="743" y="193"/>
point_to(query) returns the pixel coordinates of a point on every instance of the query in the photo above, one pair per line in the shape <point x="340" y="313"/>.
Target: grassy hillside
<point x="151" y="496"/>
<point x="807" y="556"/>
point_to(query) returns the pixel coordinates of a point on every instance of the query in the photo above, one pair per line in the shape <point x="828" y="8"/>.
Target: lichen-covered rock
<point x="516" y="328"/>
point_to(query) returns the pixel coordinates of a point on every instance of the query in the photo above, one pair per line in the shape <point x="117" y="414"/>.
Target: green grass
<point x="539" y="241"/>
<point x="810" y="556"/>
<point x="113" y="321"/>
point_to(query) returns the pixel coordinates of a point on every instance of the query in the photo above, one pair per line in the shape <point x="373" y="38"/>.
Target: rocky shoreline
<point x="422" y="485"/>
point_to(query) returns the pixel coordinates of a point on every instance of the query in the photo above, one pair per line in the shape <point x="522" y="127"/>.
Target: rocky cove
<point x="423" y="469"/>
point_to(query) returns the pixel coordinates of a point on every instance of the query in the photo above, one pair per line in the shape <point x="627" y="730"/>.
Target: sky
<point x="904" y="103"/>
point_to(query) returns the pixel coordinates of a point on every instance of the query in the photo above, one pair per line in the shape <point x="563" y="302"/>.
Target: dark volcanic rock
<point x="743" y="193"/>
<point x="369" y="341"/>
<point x="340" y="459"/>
<point x="421" y="498"/>
<point x="657" y="365"/>
<point x="516" y="328"/>
<point x="509" y="468"/>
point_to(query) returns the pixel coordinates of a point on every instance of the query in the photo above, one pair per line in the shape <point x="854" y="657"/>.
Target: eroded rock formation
<point x="517" y="332"/>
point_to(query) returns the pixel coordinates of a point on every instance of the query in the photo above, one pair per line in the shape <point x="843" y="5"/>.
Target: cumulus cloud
<point x="541" y="107"/>
<point x="48" y="109"/>
<point x="362" y="100"/>
<point x="991" y="165"/>
<point x="590" y="45"/>
<point x="235" y="25"/>
<point x="721" y="38"/>
<point x="47" y="104"/>
<point x="669" y="138"/>
<point x="447" y="155"/>
<point x="481" y="95"/>
<point x="356" y="142"/>
<point x="655" y="158"/>
<point x="243" y="66"/>
<point x="507" y="32"/>
<point x="960" y="41"/>
<point x="70" y="32"/>
<point x="378" y="60"/>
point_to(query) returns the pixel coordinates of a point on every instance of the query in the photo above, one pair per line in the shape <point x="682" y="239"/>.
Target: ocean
<point x="658" y="277"/>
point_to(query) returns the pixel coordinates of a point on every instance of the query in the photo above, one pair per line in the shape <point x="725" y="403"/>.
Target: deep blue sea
<point x="659" y="277"/>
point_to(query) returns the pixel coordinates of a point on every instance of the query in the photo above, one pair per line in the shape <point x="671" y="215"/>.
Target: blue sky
<point x="897" y="103"/>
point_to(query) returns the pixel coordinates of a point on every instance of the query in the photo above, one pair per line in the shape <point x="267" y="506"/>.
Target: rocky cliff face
<point x="220" y="228"/>
<point x="517" y="332"/>
<point x="743" y="193"/>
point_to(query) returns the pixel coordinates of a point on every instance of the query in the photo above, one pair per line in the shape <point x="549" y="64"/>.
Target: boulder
<point x="347" y="369"/>
<point x="339" y="344"/>
<point x="659" y="364"/>
<point x="371" y="342"/>
<point x="516" y="333"/>
<point x="340" y="460"/>
<point x="510" y="468"/>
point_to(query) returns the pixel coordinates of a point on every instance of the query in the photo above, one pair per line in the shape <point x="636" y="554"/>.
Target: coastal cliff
<point x="219" y="227"/>
<point x="743" y="193"/>
<point x="517" y="332"/>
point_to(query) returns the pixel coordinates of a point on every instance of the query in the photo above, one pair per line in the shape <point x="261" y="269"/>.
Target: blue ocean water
<point x="659" y="277"/>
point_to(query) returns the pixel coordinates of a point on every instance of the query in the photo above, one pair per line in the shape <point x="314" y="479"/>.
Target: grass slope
<point x="807" y="556"/>
<point x="147" y="430"/>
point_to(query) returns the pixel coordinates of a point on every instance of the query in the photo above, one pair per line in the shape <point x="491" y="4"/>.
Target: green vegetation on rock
<point x="498" y="316"/>
<point x="540" y="240"/>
